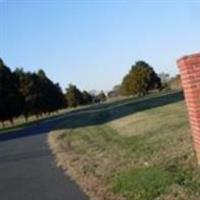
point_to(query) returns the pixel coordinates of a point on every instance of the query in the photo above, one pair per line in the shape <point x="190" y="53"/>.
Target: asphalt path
<point x="28" y="170"/>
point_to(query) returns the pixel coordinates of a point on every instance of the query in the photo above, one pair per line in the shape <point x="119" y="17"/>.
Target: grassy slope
<point x="130" y="150"/>
<point x="20" y="123"/>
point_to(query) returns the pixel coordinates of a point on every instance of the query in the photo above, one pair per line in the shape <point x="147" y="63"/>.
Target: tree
<point x="140" y="80"/>
<point x="101" y="96"/>
<point x="74" y="96"/>
<point x="10" y="99"/>
<point x="87" y="98"/>
<point x="40" y="94"/>
<point x="126" y="86"/>
<point x="30" y="90"/>
<point x="51" y="93"/>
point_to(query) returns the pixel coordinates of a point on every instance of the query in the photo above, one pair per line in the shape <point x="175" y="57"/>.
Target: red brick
<point x="190" y="77"/>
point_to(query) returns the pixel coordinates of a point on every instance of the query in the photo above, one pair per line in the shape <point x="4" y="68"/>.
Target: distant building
<point x="164" y="77"/>
<point x="175" y="83"/>
<point x="113" y="94"/>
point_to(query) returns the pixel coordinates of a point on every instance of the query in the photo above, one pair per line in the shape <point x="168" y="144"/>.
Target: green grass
<point x="144" y="183"/>
<point x="152" y="182"/>
<point x="134" y="150"/>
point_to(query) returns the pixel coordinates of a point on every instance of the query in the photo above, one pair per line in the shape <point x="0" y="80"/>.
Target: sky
<point x="93" y="43"/>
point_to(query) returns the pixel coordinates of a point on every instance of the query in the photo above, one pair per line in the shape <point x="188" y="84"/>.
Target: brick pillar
<point x="190" y="77"/>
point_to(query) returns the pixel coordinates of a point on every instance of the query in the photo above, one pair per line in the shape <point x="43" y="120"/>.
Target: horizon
<point x="94" y="44"/>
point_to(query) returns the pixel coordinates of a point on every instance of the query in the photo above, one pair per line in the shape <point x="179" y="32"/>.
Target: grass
<point x="144" y="183"/>
<point x="20" y="123"/>
<point x="130" y="150"/>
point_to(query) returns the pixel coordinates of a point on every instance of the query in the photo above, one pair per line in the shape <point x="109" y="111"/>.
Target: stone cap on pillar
<point x="189" y="60"/>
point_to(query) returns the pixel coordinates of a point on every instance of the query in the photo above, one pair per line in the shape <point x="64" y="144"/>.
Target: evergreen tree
<point x="40" y="94"/>
<point x="74" y="96"/>
<point x="10" y="99"/>
<point x="140" y="80"/>
<point x="87" y="98"/>
<point x="51" y="93"/>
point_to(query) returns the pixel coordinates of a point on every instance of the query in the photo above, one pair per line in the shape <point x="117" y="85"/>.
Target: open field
<point x="133" y="150"/>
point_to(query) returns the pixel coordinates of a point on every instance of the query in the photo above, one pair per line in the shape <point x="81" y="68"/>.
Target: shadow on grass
<point x="109" y="112"/>
<point x="95" y="114"/>
<point x="24" y="125"/>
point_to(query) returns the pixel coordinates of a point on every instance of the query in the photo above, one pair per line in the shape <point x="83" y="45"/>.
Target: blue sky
<point x="94" y="43"/>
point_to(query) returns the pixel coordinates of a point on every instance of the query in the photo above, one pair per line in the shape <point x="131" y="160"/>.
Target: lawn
<point x="135" y="149"/>
<point x="20" y="122"/>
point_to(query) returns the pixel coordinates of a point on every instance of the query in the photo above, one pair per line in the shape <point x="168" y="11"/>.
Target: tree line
<point x="33" y="93"/>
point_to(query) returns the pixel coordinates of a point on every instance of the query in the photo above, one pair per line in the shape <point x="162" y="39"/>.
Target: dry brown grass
<point x="89" y="170"/>
<point x="97" y="155"/>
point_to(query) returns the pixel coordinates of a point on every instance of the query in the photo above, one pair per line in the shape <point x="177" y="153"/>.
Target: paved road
<point x="27" y="169"/>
